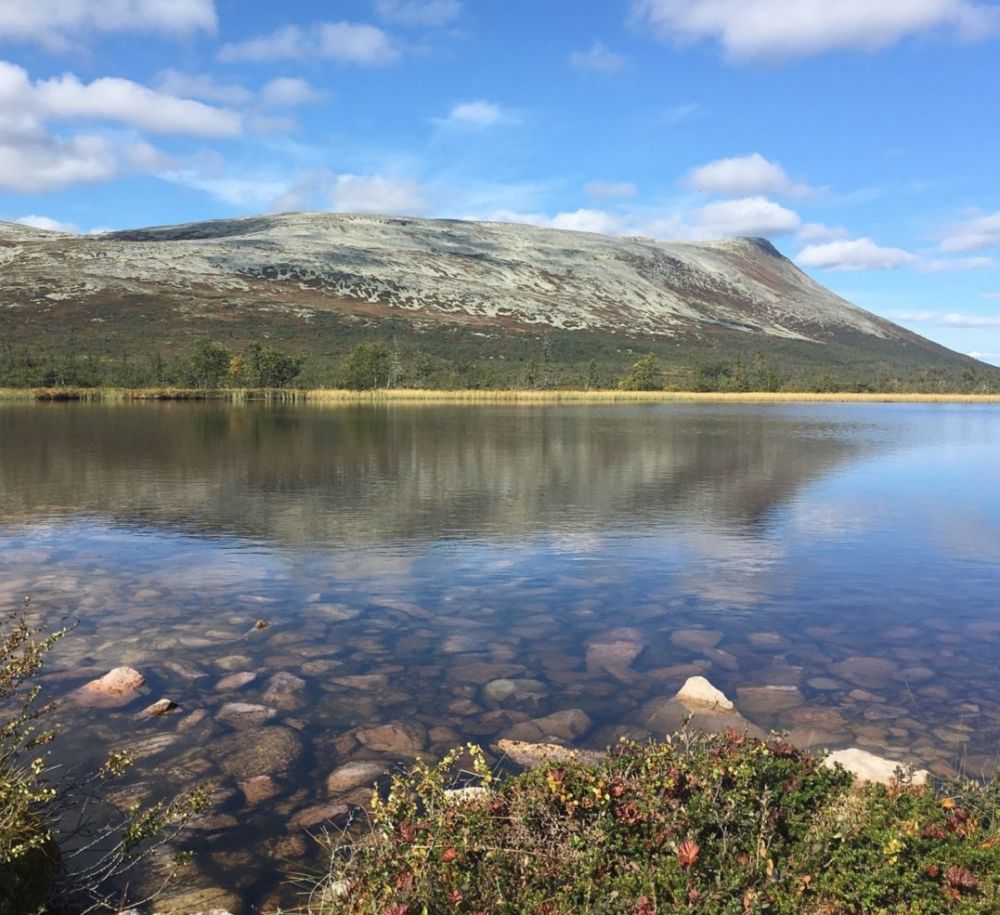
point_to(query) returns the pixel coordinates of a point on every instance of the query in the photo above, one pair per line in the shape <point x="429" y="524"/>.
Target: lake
<point x="432" y="575"/>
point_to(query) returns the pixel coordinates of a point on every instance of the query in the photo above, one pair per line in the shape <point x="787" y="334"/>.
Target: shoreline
<point x="335" y="396"/>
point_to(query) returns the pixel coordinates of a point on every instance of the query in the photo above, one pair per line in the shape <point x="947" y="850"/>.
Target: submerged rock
<point x="696" y="639"/>
<point x="284" y="690"/>
<point x="272" y="751"/>
<point x="865" y="671"/>
<point x="614" y="652"/>
<point x="765" y="700"/>
<point x="867" y="767"/>
<point x="236" y="681"/>
<point x="318" y="813"/>
<point x="400" y="738"/>
<point x="162" y="707"/>
<point x="357" y="774"/>
<point x="245" y="714"/>
<point x="258" y="789"/>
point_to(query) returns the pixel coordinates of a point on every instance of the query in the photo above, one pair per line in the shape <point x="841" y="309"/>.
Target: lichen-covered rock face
<point x="460" y="271"/>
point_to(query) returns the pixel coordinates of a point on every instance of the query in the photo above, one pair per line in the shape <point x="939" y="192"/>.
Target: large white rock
<point x="698" y="695"/>
<point x="867" y="767"/>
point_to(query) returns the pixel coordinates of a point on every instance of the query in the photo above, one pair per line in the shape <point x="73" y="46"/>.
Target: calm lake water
<point x="460" y="572"/>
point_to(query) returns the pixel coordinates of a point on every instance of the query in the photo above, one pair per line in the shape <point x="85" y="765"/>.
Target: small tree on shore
<point x="645" y="375"/>
<point x="365" y="367"/>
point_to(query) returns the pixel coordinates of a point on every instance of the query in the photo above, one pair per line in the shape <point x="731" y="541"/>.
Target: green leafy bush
<point x="698" y="824"/>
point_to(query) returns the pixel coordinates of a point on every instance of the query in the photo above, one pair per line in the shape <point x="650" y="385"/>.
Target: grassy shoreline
<point x="331" y="396"/>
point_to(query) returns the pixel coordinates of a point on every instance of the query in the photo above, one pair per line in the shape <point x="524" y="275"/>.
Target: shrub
<point x="39" y="859"/>
<point x="645" y="375"/>
<point x="699" y="824"/>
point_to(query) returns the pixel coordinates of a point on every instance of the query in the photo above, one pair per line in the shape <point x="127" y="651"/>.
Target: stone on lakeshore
<point x="531" y="755"/>
<point x="284" y="691"/>
<point x="161" y="707"/>
<point x="245" y="714"/>
<point x="363" y="682"/>
<point x="698" y="695"/>
<point x="722" y="658"/>
<point x="116" y="688"/>
<point x="399" y="738"/>
<point x="867" y="767"/>
<point x="356" y="774"/>
<point x="150" y="746"/>
<point x="861" y="695"/>
<point x="236" y="681"/>
<point x="318" y="813"/>
<point x="768" y="640"/>
<point x="865" y="671"/>
<point x="258" y="789"/>
<point x="272" y="751"/>
<point x="764" y="700"/>
<point x="677" y="671"/>
<point x="696" y="639"/>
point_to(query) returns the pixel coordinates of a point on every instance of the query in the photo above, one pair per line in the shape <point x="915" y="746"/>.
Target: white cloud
<point x="741" y="176"/>
<point x="815" y="232"/>
<point x="679" y="113"/>
<point x="49" y="225"/>
<point x="286" y="92"/>
<point x="38" y="161"/>
<point x="478" y="114"/>
<point x="598" y="59"/>
<point x="853" y="254"/>
<point x="749" y="216"/>
<point x="58" y="23"/>
<point x="607" y="189"/>
<point x="981" y="231"/>
<point x="344" y="42"/>
<point x="418" y="12"/>
<point x="771" y="30"/>
<point x="130" y="103"/>
<point x="957" y="264"/>
<point x="947" y="319"/>
<point x="376" y="194"/>
<point x="587" y="221"/>
<point x="202" y="86"/>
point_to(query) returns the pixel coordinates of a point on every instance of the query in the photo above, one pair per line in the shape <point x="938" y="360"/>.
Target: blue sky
<point x="861" y="136"/>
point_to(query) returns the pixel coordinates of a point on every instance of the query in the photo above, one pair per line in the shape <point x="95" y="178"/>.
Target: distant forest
<point x="394" y="355"/>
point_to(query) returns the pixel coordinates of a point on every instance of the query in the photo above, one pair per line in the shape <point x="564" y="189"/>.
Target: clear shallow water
<point x="415" y="562"/>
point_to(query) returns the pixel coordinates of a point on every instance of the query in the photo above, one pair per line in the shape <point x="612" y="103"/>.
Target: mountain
<point x="319" y="283"/>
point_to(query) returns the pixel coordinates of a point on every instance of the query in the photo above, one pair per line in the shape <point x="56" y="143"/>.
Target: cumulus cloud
<point x="974" y="234"/>
<point x="741" y="176"/>
<point x="37" y="161"/>
<point x="853" y="254"/>
<point x="598" y="59"/>
<point x="748" y="216"/>
<point x="130" y="103"/>
<point x="286" y="92"/>
<point x="947" y="319"/>
<point x="202" y="86"/>
<point x="376" y="194"/>
<point x="478" y="114"/>
<point x="772" y="30"/>
<point x="57" y="23"/>
<point x="604" y="190"/>
<point x="585" y="220"/>
<point x="49" y="225"/>
<point x="343" y="42"/>
<point x="418" y="12"/>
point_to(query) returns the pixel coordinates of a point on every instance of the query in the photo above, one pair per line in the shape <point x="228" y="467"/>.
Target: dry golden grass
<point x="333" y="397"/>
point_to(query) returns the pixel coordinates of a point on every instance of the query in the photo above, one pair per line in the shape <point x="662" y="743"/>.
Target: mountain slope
<point x="304" y="277"/>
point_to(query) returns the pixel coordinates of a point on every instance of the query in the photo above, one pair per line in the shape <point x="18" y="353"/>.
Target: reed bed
<point x="336" y="396"/>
